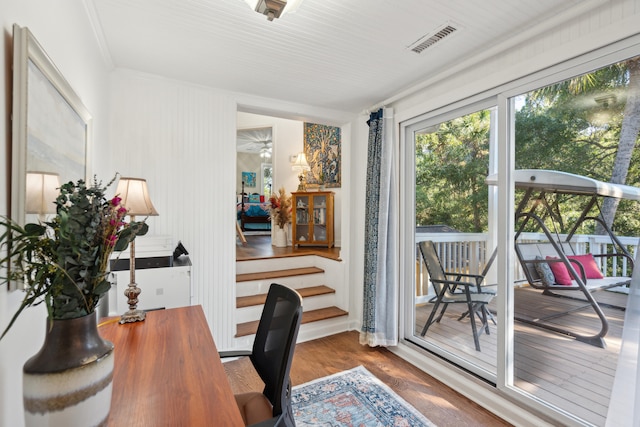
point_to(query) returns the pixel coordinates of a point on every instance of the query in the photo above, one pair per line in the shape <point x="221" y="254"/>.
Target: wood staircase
<point x="251" y="289"/>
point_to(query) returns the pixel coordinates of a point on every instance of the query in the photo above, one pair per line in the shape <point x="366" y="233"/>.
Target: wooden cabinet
<point x="313" y="218"/>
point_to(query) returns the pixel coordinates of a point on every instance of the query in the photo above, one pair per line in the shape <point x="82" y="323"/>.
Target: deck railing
<point x="468" y="253"/>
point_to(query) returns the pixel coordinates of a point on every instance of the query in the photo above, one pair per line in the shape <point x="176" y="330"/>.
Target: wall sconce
<point x="273" y="8"/>
<point x="43" y="189"/>
<point x="135" y="198"/>
<point x="301" y="166"/>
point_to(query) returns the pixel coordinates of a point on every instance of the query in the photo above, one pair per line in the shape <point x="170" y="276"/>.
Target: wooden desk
<point x="168" y="373"/>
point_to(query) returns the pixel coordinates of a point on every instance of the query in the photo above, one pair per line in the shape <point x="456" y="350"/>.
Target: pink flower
<point x="116" y="201"/>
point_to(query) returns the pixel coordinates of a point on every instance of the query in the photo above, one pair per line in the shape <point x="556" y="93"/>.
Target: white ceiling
<point x="346" y="55"/>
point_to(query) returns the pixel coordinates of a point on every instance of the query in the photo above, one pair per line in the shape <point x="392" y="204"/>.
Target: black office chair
<point x="271" y="356"/>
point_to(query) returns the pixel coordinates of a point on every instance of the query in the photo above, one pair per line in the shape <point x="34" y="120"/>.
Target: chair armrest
<point x="473" y="276"/>
<point x="234" y="353"/>
<point x="621" y="255"/>
<point x="478" y="279"/>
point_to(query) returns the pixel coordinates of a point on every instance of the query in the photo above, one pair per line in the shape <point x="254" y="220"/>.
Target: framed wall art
<point x="51" y="126"/>
<point x="249" y="179"/>
<point x="322" y="146"/>
<point x="51" y="131"/>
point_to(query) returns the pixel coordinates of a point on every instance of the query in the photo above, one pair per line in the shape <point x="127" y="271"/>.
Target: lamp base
<point x="303" y="185"/>
<point x="133" y="316"/>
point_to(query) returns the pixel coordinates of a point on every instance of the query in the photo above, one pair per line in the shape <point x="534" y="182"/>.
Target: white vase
<point x="69" y="381"/>
<point x="279" y="238"/>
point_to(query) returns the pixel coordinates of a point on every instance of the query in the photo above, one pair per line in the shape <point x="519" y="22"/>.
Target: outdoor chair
<point x="455" y="288"/>
<point x="271" y="357"/>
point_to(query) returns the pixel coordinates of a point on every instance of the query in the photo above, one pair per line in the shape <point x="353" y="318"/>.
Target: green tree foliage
<point x="574" y="126"/>
<point x="452" y="165"/>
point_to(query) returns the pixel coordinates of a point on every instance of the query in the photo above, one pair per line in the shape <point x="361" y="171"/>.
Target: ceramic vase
<point x="69" y="381"/>
<point x="280" y="238"/>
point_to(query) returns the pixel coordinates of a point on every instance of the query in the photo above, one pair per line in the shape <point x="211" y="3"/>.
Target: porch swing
<point x="554" y="266"/>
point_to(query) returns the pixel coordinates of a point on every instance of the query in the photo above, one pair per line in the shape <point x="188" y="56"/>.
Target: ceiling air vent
<point x="432" y="38"/>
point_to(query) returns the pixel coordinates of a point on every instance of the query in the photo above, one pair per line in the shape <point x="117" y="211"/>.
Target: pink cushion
<point x="561" y="273"/>
<point x="591" y="269"/>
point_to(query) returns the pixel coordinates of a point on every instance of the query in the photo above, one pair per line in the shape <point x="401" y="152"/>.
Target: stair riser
<point x="254" y="266"/>
<point x="254" y="287"/>
<point x="247" y="314"/>
<point x="308" y="331"/>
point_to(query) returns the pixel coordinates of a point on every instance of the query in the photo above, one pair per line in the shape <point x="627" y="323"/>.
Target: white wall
<point x="62" y="28"/>
<point x="181" y="138"/>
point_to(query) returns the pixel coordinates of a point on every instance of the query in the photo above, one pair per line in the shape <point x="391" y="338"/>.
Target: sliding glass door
<point x="459" y="233"/>
<point x="450" y="220"/>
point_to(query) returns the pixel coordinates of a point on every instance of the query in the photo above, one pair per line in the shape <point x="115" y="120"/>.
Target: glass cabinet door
<point x="303" y="230"/>
<point x="313" y="219"/>
<point x="320" y="218"/>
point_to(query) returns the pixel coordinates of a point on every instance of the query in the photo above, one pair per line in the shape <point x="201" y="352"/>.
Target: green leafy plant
<point x="63" y="262"/>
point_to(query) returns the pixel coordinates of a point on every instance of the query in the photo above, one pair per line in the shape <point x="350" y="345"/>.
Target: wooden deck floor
<point x="569" y="374"/>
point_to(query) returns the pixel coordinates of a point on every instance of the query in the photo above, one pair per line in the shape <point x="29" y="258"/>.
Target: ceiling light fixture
<point x="273" y="8"/>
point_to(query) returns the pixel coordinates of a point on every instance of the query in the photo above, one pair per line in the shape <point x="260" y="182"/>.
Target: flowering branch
<point x="280" y="208"/>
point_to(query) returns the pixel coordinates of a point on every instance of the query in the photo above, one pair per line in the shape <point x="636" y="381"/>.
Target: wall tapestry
<point x="249" y="179"/>
<point x="322" y="147"/>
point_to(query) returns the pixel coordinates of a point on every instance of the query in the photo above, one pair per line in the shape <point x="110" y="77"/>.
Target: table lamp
<point x="42" y="190"/>
<point x="135" y="198"/>
<point x="301" y="166"/>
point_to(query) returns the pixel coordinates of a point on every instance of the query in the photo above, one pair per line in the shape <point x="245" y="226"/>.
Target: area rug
<point x="352" y="398"/>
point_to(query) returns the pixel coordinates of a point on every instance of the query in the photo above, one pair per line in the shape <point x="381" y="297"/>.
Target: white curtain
<point x="380" y="303"/>
<point x="624" y="405"/>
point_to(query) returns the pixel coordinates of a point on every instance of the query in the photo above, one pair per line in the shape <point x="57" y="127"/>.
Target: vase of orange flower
<point x="280" y="212"/>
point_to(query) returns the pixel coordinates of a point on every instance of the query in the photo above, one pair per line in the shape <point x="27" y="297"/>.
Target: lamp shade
<point x="43" y="189"/>
<point x="301" y="164"/>
<point x="135" y="196"/>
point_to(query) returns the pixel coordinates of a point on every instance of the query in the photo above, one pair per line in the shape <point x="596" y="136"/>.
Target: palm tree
<point x="625" y="75"/>
<point x="628" y="138"/>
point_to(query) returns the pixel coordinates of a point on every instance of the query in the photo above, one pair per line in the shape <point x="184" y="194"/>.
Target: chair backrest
<point x="432" y="261"/>
<point x="275" y="343"/>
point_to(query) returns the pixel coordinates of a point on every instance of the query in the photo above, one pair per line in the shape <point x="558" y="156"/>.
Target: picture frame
<point x="249" y="179"/>
<point x="322" y="147"/>
<point x="51" y="128"/>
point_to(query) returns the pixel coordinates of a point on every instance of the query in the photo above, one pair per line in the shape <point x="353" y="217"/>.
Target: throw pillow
<point x="560" y="272"/>
<point x="591" y="269"/>
<point x="545" y="273"/>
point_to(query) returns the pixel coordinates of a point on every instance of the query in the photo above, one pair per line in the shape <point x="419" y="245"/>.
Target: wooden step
<point x="259" y="299"/>
<point x="263" y="275"/>
<point x="250" y="328"/>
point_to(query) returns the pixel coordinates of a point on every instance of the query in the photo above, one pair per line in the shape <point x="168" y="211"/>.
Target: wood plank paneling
<point x="181" y="138"/>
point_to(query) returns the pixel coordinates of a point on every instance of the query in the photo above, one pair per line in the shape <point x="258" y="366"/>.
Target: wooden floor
<point x="329" y="355"/>
<point x="572" y="375"/>
<point x="259" y="247"/>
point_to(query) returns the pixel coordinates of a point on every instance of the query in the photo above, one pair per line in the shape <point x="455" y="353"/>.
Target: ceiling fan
<point x="254" y="140"/>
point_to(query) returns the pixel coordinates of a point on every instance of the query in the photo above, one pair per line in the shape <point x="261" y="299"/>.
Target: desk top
<point x="167" y="372"/>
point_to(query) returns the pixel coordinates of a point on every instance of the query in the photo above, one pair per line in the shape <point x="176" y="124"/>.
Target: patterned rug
<point x="352" y="398"/>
